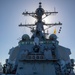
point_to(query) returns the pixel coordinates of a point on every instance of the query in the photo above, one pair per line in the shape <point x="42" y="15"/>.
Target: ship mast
<point x="39" y="24"/>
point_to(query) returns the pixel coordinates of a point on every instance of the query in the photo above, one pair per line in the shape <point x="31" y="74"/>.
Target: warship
<point x="41" y="53"/>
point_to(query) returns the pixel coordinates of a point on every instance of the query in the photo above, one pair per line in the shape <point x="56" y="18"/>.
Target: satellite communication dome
<point x="39" y="11"/>
<point x="52" y="37"/>
<point x="25" y="37"/>
<point x="36" y="41"/>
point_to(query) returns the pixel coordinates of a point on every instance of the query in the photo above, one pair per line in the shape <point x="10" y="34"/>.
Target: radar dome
<point x="39" y="11"/>
<point x="25" y="37"/>
<point x="52" y="37"/>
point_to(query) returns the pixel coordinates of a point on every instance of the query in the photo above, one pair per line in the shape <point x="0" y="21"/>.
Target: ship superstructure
<point x="39" y="55"/>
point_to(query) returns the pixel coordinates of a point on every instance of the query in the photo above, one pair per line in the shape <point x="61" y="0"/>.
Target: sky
<point x="11" y="16"/>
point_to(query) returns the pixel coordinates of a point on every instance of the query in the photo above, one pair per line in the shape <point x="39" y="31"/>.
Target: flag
<point x="55" y="31"/>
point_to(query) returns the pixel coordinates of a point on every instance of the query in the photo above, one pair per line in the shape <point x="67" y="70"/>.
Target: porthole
<point x="41" y="57"/>
<point x="37" y="57"/>
<point x="33" y="57"/>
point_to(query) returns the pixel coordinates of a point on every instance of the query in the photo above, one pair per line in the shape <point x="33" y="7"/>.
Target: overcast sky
<point x="11" y="16"/>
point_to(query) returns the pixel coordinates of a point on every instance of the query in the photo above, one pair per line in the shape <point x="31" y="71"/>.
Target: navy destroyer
<point x="39" y="54"/>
